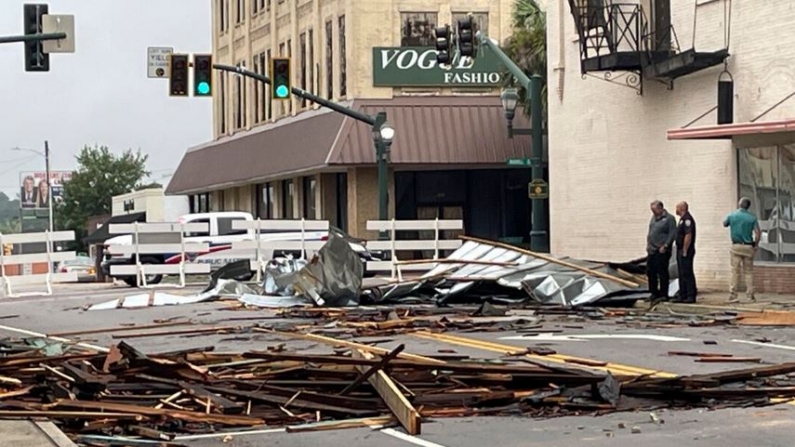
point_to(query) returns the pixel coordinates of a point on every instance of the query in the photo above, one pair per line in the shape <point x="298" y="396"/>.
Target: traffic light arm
<point x="33" y="37"/>
<point x="509" y="64"/>
<point x="301" y="94"/>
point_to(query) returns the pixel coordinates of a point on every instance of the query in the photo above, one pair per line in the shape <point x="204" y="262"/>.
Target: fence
<point x="303" y="240"/>
<point x="163" y="239"/>
<point x="395" y="245"/>
<point x="49" y="257"/>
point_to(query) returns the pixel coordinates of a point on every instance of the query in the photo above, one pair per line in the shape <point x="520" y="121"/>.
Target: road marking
<point x="614" y="368"/>
<point x="766" y="345"/>
<point x="233" y="434"/>
<point x="408" y="438"/>
<point x="585" y="337"/>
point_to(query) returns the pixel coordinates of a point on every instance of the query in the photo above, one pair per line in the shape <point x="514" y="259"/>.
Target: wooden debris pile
<point x="125" y="392"/>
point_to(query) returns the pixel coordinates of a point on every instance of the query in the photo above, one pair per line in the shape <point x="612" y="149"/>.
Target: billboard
<point x="33" y="188"/>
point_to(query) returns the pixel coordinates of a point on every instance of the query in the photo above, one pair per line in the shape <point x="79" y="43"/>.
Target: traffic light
<point x="202" y="75"/>
<point x="280" y="78"/>
<point x="466" y="37"/>
<point x="444" y="45"/>
<point x="35" y="58"/>
<point x="178" y="80"/>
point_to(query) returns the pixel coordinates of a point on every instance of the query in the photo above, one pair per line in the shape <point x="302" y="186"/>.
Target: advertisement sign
<point x="33" y="188"/>
<point x="417" y="67"/>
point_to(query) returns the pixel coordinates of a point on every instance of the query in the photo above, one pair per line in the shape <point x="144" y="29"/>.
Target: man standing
<point x="662" y="232"/>
<point x="685" y="251"/>
<point x="745" y="235"/>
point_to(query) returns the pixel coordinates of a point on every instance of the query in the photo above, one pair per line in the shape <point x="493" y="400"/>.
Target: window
<point x="329" y="60"/>
<point x="342" y="201"/>
<point x="266" y="91"/>
<point x="223" y="105"/>
<point x="311" y="63"/>
<point x="288" y="192"/>
<point x="199" y="203"/>
<point x="259" y="5"/>
<point x="223" y="15"/>
<point x="310" y="196"/>
<point x="417" y="29"/>
<point x="767" y="177"/>
<point x="265" y="201"/>
<point x="199" y="233"/>
<point x="481" y="20"/>
<point x="241" y="11"/>
<point x="260" y="92"/>
<point x="343" y="79"/>
<point x="226" y="228"/>
<point x="240" y="93"/>
<point x="303" y="65"/>
<point x="256" y="86"/>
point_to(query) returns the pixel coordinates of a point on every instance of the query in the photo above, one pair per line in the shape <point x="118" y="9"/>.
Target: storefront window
<point x="265" y="201"/>
<point x="288" y="192"/>
<point x="760" y="173"/>
<point x="417" y="29"/>
<point x="310" y="194"/>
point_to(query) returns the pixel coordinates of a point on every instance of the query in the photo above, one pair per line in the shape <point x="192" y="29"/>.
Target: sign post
<point x="157" y="59"/>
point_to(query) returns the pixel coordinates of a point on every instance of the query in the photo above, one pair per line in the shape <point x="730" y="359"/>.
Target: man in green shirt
<point x="745" y="235"/>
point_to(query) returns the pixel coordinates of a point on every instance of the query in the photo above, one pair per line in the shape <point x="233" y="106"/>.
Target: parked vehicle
<point x="220" y="237"/>
<point x="83" y="266"/>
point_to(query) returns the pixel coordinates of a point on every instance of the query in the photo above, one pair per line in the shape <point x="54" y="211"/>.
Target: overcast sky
<point x="100" y="93"/>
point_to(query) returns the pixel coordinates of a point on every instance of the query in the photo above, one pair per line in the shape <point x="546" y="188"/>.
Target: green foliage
<point x="527" y="46"/>
<point x="100" y="175"/>
<point x="9" y="214"/>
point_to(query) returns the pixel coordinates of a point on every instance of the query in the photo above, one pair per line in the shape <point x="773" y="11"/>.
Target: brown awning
<point x="743" y="134"/>
<point x="428" y="131"/>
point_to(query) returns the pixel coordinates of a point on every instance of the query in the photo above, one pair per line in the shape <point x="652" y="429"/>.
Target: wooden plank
<point x="415" y="225"/>
<point x="159" y="227"/>
<point x="766" y="318"/>
<point x="189" y="416"/>
<point x="387" y="265"/>
<point x="408" y="416"/>
<point x="284" y="225"/>
<point x="275" y="245"/>
<point x="123" y="329"/>
<point x="32" y="238"/>
<point x="40" y="279"/>
<point x="424" y="244"/>
<point x="552" y="260"/>
<point x="190" y="247"/>
<point x="58" y="256"/>
<point x="340" y="425"/>
<point x="161" y="269"/>
<point x="729" y="360"/>
<point x="373" y="369"/>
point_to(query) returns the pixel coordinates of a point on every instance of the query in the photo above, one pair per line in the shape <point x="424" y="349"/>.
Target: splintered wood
<point x="125" y="392"/>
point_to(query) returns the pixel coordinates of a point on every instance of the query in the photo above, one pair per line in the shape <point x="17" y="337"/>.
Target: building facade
<point x="651" y="132"/>
<point x="292" y="159"/>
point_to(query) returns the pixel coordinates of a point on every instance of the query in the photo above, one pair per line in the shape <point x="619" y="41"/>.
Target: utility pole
<point x="49" y="182"/>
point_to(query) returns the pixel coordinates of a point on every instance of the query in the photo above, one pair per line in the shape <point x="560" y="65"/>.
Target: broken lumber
<point x="403" y="410"/>
<point x="373" y="369"/>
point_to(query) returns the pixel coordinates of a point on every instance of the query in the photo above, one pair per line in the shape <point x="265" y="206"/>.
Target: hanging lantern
<point x="725" y="97"/>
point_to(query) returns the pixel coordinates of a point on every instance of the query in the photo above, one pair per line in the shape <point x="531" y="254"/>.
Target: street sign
<point x="520" y="162"/>
<point x="538" y="189"/>
<point x="52" y="23"/>
<point x="158" y="61"/>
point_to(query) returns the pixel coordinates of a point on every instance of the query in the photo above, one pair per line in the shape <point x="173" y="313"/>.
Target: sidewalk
<point x="714" y="301"/>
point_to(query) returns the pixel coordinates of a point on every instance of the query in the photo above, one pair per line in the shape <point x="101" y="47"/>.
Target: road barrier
<point x="165" y="239"/>
<point x="48" y="257"/>
<point x="263" y="245"/>
<point x="395" y="245"/>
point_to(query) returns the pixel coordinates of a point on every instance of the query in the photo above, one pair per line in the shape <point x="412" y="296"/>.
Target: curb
<point x="705" y="308"/>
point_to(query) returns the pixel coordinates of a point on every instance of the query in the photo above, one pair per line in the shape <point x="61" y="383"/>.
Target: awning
<point x="742" y="134"/>
<point x="442" y="131"/>
<point x="102" y="234"/>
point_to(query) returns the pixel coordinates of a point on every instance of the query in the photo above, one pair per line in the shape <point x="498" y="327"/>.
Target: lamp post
<point x="539" y="240"/>
<point x="383" y="133"/>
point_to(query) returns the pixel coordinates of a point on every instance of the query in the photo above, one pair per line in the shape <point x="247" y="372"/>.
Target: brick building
<point x="292" y="159"/>
<point x="651" y="131"/>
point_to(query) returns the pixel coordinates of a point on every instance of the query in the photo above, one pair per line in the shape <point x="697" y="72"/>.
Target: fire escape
<point x="619" y="40"/>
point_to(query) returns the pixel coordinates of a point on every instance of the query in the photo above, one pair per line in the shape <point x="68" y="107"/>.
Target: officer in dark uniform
<point x="685" y="252"/>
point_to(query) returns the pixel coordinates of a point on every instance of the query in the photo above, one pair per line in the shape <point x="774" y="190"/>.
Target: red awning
<point x="780" y="132"/>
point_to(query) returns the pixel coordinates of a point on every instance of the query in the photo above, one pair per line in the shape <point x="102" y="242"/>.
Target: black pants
<point x="657" y="272"/>
<point x="687" y="278"/>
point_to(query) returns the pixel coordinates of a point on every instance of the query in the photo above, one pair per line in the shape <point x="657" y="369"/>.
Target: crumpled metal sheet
<point x="280" y="274"/>
<point x="333" y="277"/>
<point x="274" y="302"/>
<point x="223" y="288"/>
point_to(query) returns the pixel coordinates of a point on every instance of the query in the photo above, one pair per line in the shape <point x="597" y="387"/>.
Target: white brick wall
<point x="609" y="156"/>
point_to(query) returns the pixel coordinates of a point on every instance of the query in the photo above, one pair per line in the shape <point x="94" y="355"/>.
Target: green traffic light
<point x="282" y="91"/>
<point x="203" y="88"/>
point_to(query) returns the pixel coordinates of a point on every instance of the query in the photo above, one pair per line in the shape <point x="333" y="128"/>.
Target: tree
<point x="9" y="213"/>
<point x="527" y="46"/>
<point x="100" y="176"/>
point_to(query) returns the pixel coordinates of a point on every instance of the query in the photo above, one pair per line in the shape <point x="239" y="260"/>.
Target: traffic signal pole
<point x="539" y="237"/>
<point x="376" y="122"/>
<point x="33" y="38"/>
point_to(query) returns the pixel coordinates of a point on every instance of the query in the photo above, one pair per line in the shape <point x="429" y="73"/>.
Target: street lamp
<point x="509" y="98"/>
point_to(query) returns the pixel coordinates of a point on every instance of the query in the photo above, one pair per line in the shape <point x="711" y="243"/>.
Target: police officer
<point x="685" y="251"/>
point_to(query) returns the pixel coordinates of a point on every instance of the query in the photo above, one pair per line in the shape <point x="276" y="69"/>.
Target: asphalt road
<point x="624" y="344"/>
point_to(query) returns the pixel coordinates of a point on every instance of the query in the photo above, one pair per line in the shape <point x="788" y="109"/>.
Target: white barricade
<point x="49" y="257"/>
<point x="161" y="239"/>
<point x="264" y="244"/>
<point x="393" y="245"/>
